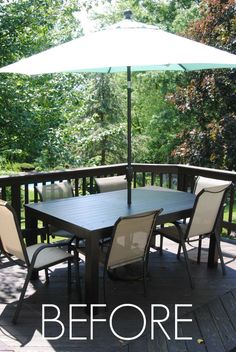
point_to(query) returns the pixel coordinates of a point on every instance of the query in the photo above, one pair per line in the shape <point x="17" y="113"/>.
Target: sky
<point x="84" y="17"/>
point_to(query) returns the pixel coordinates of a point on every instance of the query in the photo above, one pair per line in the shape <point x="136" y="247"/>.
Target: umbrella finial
<point x="128" y="14"/>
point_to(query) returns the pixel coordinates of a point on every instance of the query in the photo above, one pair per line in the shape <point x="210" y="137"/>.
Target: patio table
<point x="92" y="217"/>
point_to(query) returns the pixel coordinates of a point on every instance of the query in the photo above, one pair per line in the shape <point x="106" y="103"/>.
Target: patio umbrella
<point x="125" y="46"/>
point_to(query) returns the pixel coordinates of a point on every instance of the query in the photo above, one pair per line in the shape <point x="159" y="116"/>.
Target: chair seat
<point x="171" y="232"/>
<point x="38" y="256"/>
<point x="47" y="256"/>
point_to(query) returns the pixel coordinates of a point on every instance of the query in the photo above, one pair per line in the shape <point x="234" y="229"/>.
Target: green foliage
<point x="58" y="150"/>
<point x="154" y="122"/>
<point x="26" y="167"/>
<point x="65" y="120"/>
<point x="100" y="128"/>
<point x="155" y="126"/>
<point x="209" y="97"/>
<point x="31" y="106"/>
<point x="161" y="13"/>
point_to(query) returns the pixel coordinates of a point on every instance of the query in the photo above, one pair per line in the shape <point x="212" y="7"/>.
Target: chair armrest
<point x="178" y="226"/>
<point x="51" y="245"/>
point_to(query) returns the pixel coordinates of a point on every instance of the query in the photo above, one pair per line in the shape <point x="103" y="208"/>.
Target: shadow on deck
<point x="213" y="310"/>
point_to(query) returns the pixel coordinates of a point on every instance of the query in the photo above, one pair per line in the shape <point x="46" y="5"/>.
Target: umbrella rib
<point x="182" y="66"/>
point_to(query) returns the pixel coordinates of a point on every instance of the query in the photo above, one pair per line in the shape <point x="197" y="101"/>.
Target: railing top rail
<point x="34" y="176"/>
<point x="208" y="172"/>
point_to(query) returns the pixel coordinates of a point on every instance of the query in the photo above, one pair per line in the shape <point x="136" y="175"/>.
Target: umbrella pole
<point x="129" y="169"/>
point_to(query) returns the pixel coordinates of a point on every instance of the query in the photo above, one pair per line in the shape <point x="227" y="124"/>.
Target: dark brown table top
<point x="97" y="213"/>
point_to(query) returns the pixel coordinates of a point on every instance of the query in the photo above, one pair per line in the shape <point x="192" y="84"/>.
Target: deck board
<point x="209" y="330"/>
<point x="159" y="343"/>
<point x="193" y="330"/>
<point x="228" y="302"/>
<point x="213" y="308"/>
<point x="223" y="324"/>
<point x="174" y="345"/>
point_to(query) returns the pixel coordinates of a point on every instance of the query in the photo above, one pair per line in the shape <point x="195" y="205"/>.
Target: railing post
<point x="152" y="179"/>
<point x="16" y="200"/>
<point x="181" y="179"/>
<point x="231" y="207"/>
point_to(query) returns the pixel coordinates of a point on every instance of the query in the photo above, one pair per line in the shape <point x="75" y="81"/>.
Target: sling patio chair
<point x="52" y="192"/>
<point x="206" y="182"/>
<point x="109" y="184"/>
<point x="35" y="257"/>
<point x="200" y="183"/>
<point x="204" y="221"/>
<point x="130" y="244"/>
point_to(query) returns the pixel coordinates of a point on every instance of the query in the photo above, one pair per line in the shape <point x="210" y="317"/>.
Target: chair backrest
<point x="55" y="191"/>
<point x="10" y="234"/>
<point x="206" y="182"/>
<point x="130" y="239"/>
<point x="207" y="209"/>
<point x="113" y="183"/>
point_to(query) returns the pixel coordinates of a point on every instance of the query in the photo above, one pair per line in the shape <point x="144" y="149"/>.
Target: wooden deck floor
<point x="212" y="328"/>
<point x="213" y="310"/>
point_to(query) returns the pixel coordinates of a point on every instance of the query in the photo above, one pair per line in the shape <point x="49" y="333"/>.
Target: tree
<point x="101" y="126"/>
<point x="209" y="98"/>
<point x="74" y="119"/>
<point x="154" y="122"/>
<point x="30" y="107"/>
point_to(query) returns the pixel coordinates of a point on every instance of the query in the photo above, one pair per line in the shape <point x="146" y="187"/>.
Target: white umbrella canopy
<point x="126" y="43"/>
<point x="125" y="46"/>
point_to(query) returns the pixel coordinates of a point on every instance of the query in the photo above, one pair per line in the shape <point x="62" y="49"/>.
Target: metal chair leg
<point x="104" y="286"/>
<point x="69" y="276"/>
<point x="145" y="278"/>
<point x="77" y="275"/>
<point x="47" y="276"/>
<point x="199" y="250"/>
<point x="182" y="243"/>
<point x="161" y="245"/>
<point x="179" y="250"/>
<point x="187" y="263"/>
<point x="20" y="301"/>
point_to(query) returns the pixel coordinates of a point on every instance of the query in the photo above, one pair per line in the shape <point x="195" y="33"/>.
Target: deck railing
<point x="19" y="189"/>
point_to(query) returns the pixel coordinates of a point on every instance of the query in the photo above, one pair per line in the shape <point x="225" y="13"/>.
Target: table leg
<point x="31" y="223"/>
<point x="213" y="254"/>
<point x="91" y="271"/>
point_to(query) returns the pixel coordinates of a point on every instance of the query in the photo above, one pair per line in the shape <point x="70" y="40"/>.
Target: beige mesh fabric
<point x="205" y="182"/>
<point x="172" y="231"/>
<point x="206" y="210"/>
<point x="9" y="233"/>
<point x="10" y="239"/>
<point x="130" y="239"/>
<point x="52" y="192"/>
<point x="47" y="256"/>
<point x="108" y="184"/>
<point x="55" y="191"/>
